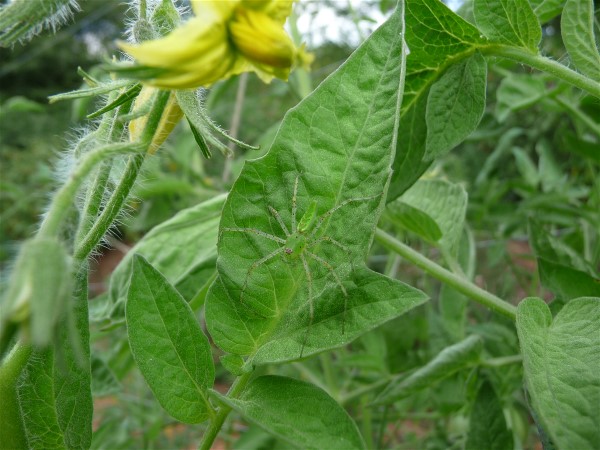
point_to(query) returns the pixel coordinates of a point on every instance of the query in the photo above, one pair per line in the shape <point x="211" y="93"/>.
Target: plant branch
<point x="109" y="129"/>
<point x="502" y="361"/>
<point x="118" y="197"/>
<point x="545" y="65"/>
<point x="63" y="200"/>
<point x="459" y="283"/>
<point x="217" y="423"/>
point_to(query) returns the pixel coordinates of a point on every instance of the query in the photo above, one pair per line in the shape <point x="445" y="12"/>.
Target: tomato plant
<point x="296" y="284"/>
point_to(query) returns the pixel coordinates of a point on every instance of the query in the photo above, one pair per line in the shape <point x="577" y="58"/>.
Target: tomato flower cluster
<point x="224" y="38"/>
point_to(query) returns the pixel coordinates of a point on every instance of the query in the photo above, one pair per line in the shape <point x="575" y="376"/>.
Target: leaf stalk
<point x="545" y="65"/>
<point x="459" y="283"/>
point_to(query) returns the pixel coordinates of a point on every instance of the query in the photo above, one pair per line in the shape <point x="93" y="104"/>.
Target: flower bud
<point x="169" y="119"/>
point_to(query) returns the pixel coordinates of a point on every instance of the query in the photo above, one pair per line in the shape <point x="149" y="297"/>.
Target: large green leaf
<point x="561" y="369"/>
<point x="487" y="426"/>
<point x="54" y="390"/>
<point x="510" y="22"/>
<point x="427" y="22"/>
<point x="577" y="30"/>
<point x="455" y="105"/>
<point x="450" y="360"/>
<point x="168" y="345"/>
<point x="298" y="412"/>
<point x="277" y="299"/>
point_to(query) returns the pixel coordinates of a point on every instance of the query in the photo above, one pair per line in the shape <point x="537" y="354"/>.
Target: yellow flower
<point x="224" y="38"/>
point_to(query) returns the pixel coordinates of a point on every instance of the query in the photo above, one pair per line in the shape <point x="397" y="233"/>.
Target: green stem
<point x="546" y="65"/>
<point x="111" y="210"/>
<point x="142" y="9"/>
<point x="217" y="423"/>
<point x="502" y="361"/>
<point x="332" y="388"/>
<point x="93" y="201"/>
<point x="459" y="283"/>
<point x="364" y="390"/>
<point x="109" y="130"/>
<point x="118" y="197"/>
<point x="63" y="200"/>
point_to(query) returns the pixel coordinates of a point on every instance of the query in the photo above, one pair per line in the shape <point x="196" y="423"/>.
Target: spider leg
<point x="256" y="264"/>
<point x="310" y="301"/>
<point x="331" y="270"/>
<point x="332" y="241"/>
<point x="253" y="231"/>
<point x="294" y="204"/>
<point x="328" y="214"/>
<point x="279" y="220"/>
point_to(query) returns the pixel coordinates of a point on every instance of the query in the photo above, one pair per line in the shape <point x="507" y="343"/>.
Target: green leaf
<point x="561" y="369"/>
<point x="129" y="95"/>
<point x="427" y="21"/>
<point x="410" y="162"/>
<point x="164" y="246"/>
<point x="561" y="268"/>
<point x="284" y="292"/>
<point x="566" y="282"/>
<point x="54" y="389"/>
<point x="551" y="248"/>
<point x="298" y="412"/>
<point x="104" y="381"/>
<point x="517" y="92"/>
<point x="545" y="10"/>
<point x="413" y="219"/>
<point x="444" y="203"/>
<point x="449" y="361"/>
<point x="200" y="141"/>
<point x="104" y="88"/>
<point x="504" y="145"/>
<point x="455" y="105"/>
<point x="526" y="167"/>
<point x="581" y="145"/>
<point x="577" y="29"/>
<point x="487" y="429"/>
<point x="168" y="345"/>
<point x="511" y="22"/>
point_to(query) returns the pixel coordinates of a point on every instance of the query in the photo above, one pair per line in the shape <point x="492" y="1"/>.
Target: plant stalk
<point x="63" y="200"/>
<point x="459" y="283"/>
<point x="546" y="65"/>
<point x="217" y="423"/>
<point x="118" y="197"/>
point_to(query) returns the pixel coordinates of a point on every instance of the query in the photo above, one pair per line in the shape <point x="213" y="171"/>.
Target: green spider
<point x="299" y="244"/>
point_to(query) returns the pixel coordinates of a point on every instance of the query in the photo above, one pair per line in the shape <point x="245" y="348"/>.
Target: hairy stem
<point x="110" y="129"/>
<point x="118" y="197"/>
<point x="457" y="282"/>
<point x="63" y="200"/>
<point x="546" y="65"/>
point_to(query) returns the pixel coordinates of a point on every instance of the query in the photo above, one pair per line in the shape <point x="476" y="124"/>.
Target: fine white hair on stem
<point x="20" y="20"/>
